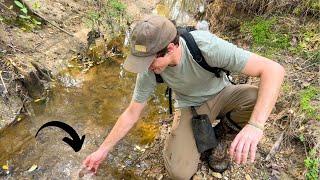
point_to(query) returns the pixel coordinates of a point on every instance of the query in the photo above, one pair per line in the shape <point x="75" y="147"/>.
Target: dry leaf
<point x="32" y="168"/>
<point x="248" y="177"/>
<point x="5" y="167"/>
<point x="217" y="175"/>
<point x="37" y="100"/>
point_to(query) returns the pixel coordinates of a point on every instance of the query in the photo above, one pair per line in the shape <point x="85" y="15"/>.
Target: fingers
<point x="85" y="162"/>
<point x="253" y="149"/>
<point x="245" y="152"/>
<point x="91" y="166"/>
<point x="234" y="145"/>
<point x="95" y="167"/>
<point x="239" y="149"/>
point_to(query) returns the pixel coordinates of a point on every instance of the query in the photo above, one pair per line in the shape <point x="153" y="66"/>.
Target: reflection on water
<point x="90" y="103"/>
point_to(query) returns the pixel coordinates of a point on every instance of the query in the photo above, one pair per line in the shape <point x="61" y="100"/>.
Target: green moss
<point x="266" y="38"/>
<point x="306" y="96"/>
<point x="272" y="36"/>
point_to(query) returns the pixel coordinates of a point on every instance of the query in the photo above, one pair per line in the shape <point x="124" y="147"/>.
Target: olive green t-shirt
<point x="191" y="84"/>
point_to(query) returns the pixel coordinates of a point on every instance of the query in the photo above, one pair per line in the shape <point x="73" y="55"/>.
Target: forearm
<point x="270" y="84"/>
<point x="123" y="125"/>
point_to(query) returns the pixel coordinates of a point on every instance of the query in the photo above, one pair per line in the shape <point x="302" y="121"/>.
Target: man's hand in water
<point x="93" y="161"/>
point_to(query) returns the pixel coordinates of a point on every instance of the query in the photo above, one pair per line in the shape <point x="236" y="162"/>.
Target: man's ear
<point x="171" y="47"/>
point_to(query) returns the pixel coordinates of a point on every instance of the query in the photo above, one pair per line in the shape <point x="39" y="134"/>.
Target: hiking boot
<point x="218" y="159"/>
<point x="224" y="127"/>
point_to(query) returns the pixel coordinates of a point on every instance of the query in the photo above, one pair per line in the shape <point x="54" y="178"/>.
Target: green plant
<point x="109" y="15"/>
<point x="308" y="44"/>
<point x="306" y="96"/>
<point x="261" y="31"/>
<point x="312" y="165"/>
<point x="307" y="6"/>
<point x="301" y="138"/>
<point x="264" y="34"/>
<point x="28" y="20"/>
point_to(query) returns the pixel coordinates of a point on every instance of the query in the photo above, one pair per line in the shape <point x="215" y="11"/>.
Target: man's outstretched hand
<point x="246" y="141"/>
<point x="93" y="161"/>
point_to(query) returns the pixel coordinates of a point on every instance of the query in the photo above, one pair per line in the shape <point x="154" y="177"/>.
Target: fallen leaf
<point x="159" y="177"/>
<point x="217" y="175"/>
<point x="5" y="167"/>
<point x="32" y="168"/>
<point x="248" y="177"/>
<point x="37" y="100"/>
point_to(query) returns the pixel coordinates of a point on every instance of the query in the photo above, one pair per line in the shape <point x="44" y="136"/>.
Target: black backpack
<point x="184" y="32"/>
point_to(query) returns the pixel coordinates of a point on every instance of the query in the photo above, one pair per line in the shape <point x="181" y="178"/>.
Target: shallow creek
<point x="91" y="103"/>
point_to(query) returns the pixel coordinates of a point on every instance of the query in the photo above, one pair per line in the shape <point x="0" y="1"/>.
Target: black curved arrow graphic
<point x="75" y="142"/>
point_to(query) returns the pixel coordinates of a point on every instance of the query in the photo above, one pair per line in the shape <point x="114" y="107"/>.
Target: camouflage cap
<point x="148" y="37"/>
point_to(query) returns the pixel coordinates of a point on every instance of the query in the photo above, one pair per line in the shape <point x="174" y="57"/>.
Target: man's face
<point x="166" y="57"/>
<point x="159" y="64"/>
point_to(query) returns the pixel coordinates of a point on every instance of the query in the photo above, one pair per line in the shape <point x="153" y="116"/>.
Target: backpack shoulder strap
<point x="197" y="55"/>
<point x="158" y="78"/>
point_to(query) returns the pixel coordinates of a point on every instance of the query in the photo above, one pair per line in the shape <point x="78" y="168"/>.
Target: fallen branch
<point x="14" y="48"/>
<point x="275" y="147"/>
<point x="4" y="85"/>
<point x="45" y="19"/>
<point x="69" y="33"/>
<point x="46" y="75"/>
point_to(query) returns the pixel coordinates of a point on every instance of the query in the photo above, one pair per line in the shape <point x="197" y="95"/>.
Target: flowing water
<point x="90" y="103"/>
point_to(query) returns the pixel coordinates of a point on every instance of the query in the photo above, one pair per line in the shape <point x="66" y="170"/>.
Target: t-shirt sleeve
<point x="145" y="85"/>
<point x="220" y="53"/>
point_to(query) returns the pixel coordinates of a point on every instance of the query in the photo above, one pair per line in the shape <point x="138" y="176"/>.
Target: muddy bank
<point x="30" y="58"/>
<point x="61" y="36"/>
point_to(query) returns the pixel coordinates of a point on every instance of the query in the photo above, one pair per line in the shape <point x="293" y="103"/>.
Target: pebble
<point x="160" y="177"/>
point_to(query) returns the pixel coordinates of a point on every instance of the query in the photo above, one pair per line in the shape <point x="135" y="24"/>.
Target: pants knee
<point x="180" y="171"/>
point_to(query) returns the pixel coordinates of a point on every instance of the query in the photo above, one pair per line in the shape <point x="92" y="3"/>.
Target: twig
<point x="4" y="85"/>
<point x="15" y="49"/>
<point x="275" y="147"/>
<point x="40" y="16"/>
<point x="8" y="8"/>
<point x="69" y="33"/>
<point x="303" y="68"/>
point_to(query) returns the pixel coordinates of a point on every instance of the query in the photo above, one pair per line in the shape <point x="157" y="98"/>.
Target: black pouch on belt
<point x="203" y="131"/>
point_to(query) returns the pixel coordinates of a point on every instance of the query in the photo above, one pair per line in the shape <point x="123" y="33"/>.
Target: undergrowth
<point x="312" y="164"/>
<point x="25" y="18"/>
<point x="271" y="36"/>
<point x="306" y="96"/>
<point x="108" y="15"/>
